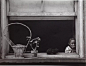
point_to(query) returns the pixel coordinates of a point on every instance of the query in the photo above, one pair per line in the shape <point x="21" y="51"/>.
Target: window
<point x="44" y="11"/>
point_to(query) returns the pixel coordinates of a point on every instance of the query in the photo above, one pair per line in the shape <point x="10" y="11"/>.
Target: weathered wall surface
<point x="84" y="23"/>
<point x="0" y="26"/>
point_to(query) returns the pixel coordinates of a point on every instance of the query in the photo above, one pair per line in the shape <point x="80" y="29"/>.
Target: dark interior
<point x="53" y="33"/>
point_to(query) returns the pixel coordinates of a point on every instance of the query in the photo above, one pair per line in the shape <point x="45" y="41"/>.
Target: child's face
<point x="72" y="43"/>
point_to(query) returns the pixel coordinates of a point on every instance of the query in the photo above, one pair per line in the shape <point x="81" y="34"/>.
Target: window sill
<point x="45" y="56"/>
<point x="43" y="60"/>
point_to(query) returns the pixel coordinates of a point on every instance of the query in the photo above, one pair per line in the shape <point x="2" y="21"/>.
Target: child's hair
<point x="72" y="39"/>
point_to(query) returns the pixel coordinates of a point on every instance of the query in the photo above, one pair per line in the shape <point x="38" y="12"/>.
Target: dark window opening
<point x="53" y="33"/>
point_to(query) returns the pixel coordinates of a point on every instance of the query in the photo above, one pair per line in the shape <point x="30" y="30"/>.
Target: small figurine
<point x="34" y="43"/>
<point x="72" y="47"/>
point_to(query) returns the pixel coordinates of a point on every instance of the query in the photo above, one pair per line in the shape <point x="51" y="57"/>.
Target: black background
<point x="53" y="33"/>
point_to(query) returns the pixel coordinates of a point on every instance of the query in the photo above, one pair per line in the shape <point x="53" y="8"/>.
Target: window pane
<point x="25" y="5"/>
<point x="39" y="6"/>
<point x="53" y="33"/>
<point x="58" y="5"/>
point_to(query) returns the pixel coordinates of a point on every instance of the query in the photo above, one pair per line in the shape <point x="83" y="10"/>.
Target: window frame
<point x="78" y="16"/>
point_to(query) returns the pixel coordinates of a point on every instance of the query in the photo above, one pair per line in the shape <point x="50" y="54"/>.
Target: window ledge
<point x="42" y="14"/>
<point x="44" y="55"/>
<point x="45" y="58"/>
<point x="42" y="60"/>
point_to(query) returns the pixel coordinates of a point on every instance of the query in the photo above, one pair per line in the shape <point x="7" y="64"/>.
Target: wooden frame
<point x="39" y="6"/>
<point x="4" y="22"/>
<point x="80" y="21"/>
<point x="79" y="24"/>
<point x="41" y="14"/>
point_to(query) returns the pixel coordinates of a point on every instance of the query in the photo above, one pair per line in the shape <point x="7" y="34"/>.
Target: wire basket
<point x="17" y="48"/>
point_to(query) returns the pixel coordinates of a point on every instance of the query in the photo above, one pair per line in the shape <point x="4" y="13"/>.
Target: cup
<point x="34" y="52"/>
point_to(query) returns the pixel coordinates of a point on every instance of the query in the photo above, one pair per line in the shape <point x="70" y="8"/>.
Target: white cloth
<point x="68" y="49"/>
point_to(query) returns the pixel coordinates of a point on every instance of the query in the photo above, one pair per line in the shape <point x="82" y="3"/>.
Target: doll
<point x="72" y="47"/>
